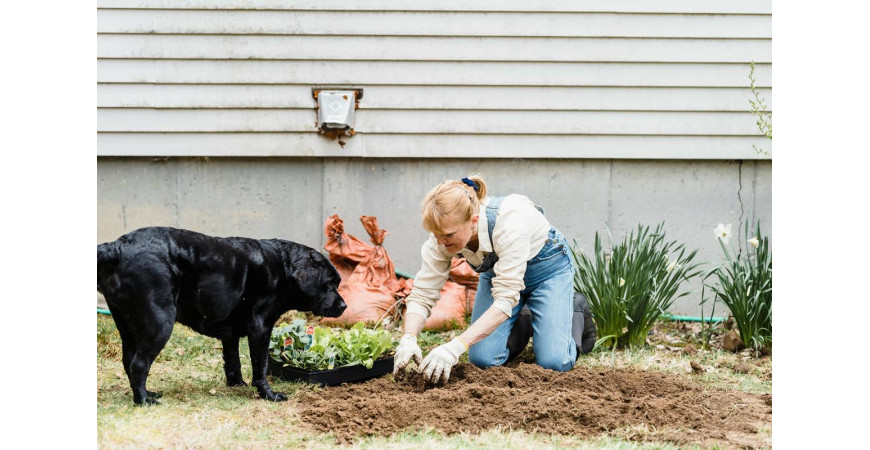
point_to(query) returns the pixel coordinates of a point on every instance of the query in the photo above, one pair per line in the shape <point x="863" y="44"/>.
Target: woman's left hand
<point x="436" y="365"/>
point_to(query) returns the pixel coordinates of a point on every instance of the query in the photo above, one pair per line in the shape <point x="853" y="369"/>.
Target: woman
<point x="522" y="261"/>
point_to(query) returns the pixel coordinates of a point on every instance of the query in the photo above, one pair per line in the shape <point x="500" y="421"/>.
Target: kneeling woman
<point x="522" y="261"/>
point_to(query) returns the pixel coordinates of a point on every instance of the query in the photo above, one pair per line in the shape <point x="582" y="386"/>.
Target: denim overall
<point x="549" y="294"/>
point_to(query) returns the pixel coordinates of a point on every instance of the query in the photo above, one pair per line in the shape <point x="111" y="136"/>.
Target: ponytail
<point x="479" y="185"/>
<point x="453" y="201"/>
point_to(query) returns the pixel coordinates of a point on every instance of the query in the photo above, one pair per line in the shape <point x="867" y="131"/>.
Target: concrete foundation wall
<point x="290" y="198"/>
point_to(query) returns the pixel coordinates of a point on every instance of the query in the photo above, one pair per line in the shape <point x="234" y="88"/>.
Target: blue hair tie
<point x="470" y="183"/>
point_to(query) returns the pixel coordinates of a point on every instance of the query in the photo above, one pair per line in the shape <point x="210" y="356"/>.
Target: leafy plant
<point x="324" y="348"/>
<point x="707" y="324"/>
<point x="745" y="286"/>
<point x="360" y="345"/>
<point x="630" y="289"/>
<point x="763" y="117"/>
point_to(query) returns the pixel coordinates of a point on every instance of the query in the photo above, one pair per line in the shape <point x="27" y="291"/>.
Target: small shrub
<point x="745" y="286"/>
<point x="763" y="117"/>
<point x="628" y="291"/>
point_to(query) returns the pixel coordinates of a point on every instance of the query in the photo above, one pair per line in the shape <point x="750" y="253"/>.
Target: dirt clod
<point x="731" y="342"/>
<point x="414" y="378"/>
<point x="744" y="368"/>
<point x="696" y="368"/>
<point x="690" y="350"/>
<point x="583" y="401"/>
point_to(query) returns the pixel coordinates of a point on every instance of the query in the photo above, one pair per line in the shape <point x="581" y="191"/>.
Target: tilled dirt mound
<point x="582" y="402"/>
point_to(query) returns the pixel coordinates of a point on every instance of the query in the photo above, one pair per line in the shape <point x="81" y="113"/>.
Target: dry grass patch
<point x="198" y="411"/>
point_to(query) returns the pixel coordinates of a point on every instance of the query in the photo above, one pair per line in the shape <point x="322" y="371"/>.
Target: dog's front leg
<point x="232" y="366"/>
<point x="258" y="343"/>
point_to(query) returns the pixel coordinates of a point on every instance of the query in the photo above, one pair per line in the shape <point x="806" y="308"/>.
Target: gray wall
<point x="291" y="197"/>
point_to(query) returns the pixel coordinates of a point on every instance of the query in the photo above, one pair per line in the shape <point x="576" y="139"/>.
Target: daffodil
<point x="673" y="266"/>
<point x="723" y="232"/>
<point x="753" y="242"/>
<point x="621" y="282"/>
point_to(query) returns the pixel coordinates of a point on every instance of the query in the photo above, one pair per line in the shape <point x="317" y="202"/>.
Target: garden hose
<point x="692" y="318"/>
<point x="401" y="274"/>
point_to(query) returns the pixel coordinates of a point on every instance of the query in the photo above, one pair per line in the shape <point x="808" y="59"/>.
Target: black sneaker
<point x="582" y="326"/>
<point x="520" y="333"/>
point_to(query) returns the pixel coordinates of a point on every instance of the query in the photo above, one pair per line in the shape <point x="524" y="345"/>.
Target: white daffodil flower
<point x="723" y="232"/>
<point x="673" y="266"/>
<point x="621" y="282"/>
<point x="753" y="242"/>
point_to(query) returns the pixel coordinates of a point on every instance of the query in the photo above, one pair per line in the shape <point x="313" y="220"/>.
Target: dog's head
<point x="317" y="283"/>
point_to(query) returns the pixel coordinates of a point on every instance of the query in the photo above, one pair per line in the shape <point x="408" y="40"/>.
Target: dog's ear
<point x="293" y="261"/>
<point x="302" y="273"/>
<point x="299" y="276"/>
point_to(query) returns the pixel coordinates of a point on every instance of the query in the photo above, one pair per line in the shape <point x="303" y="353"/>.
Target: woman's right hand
<point x="407" y="350"/>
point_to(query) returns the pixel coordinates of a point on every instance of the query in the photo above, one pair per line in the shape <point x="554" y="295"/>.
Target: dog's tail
<point x="108" y="255"/>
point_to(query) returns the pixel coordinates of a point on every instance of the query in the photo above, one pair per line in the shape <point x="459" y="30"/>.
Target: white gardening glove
<point x="406" y="350"/>
<point x="436" y="366"/>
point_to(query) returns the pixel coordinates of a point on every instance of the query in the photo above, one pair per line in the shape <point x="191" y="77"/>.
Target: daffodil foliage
<point x="745" y="286"/>
<point x="630" y="287"/>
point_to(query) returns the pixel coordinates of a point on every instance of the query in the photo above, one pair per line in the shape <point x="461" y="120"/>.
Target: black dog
<point x="220" y="287"/>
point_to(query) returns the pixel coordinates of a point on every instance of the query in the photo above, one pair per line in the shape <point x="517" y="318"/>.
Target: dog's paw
<point x="147" y="401"/>
<point x="154" y="394"/>
<point x="273" y="396"/>
<point x="236" y="383"/>
<point x="278" y="397"/>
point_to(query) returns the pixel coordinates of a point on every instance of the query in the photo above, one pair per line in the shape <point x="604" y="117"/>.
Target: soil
<point x="744" y="368"/>
<point x="582" y="402"/>
<point x="731" y="342"/>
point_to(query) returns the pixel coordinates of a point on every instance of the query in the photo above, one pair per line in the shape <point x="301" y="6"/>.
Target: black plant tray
<point x="332" y="377"/>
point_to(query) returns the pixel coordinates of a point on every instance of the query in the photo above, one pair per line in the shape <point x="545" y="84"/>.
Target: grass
<point x="198" y="410"/>
<point x="719" y="367"/>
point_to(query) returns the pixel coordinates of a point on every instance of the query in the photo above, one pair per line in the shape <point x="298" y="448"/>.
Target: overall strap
<point x="491" y="215"/>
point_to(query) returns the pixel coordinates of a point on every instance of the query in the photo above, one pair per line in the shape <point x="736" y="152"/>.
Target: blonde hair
<point x="452" y="202"/>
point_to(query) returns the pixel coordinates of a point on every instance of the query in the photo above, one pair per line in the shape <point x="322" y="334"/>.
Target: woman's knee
<point x="483" y="359"/>
<point x="558" y="361"/>
<point x="557" y="365"/>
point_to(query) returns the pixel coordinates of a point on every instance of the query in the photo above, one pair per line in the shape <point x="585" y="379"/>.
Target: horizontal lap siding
<point x="429" y="122"/>
<point x="622" y="79"/>
<point x="394" y="97"/>
<point x="314" y="73"/>
<point x="436" y="48"/>
<point x="400" y="23"/>
<point x="627" y="6"/>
